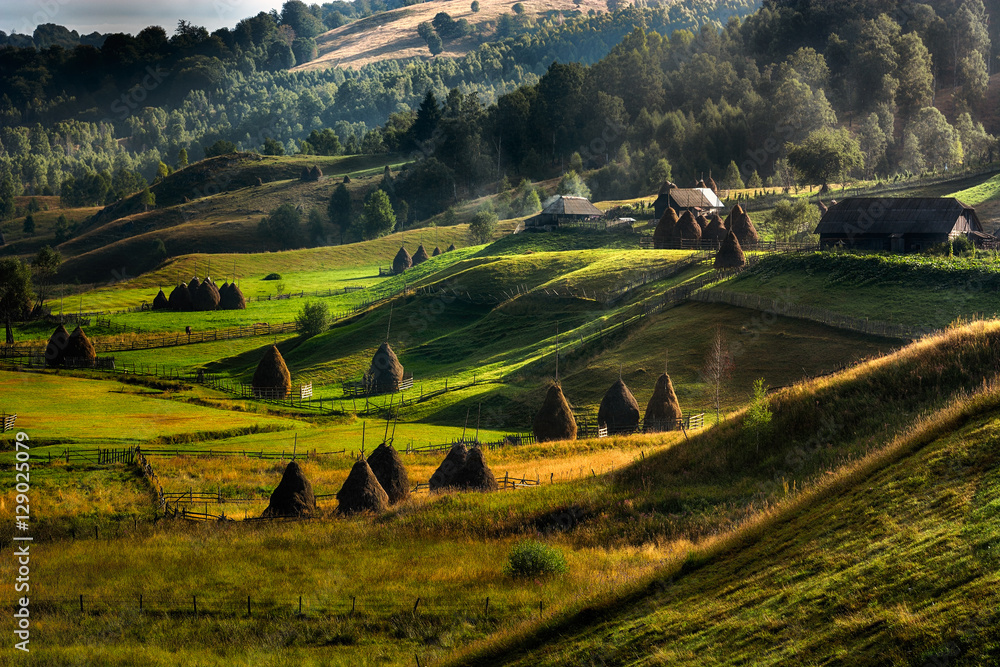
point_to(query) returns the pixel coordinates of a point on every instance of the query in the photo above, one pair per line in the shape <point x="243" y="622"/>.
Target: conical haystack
<point x="362" y="492"/>
<point x="687" y="228"/>
<point x="347" y="179"/>
<point x="304" y="174"/>
<point x="315" y="173"/>
<point x="55" y="351"/>
<point x="160" y="301"/>
<point x="710" y="182"/>
<point x="664" y="232"/>
<point x="716" y="229"/>
<point x="741" y="225"/>
<point x="385" y="373"/>
<point x="293" y="496"/>
<point x="619" y="410"/>
<point x="446" y="474"/>
<point x="475" y="475"/>
<point x="702" y="221"/>
<point x="663" y="410"/>
<point x="206" y="297"/>
<point x="450" y="248"/>
<point x="180" y="298"/>
<point x="402" y="261"/>
<point x="79" y="350"/>
<point x="420" y="256"/>
<point x="271" y="379"/>
<point x="437" y="251"/>
<point x="730" y="255"/>
<point x="555" y="420"/>
<point x="390" y="472"/>
<point x="232" y="299"/>
<point x="193" y="286"/>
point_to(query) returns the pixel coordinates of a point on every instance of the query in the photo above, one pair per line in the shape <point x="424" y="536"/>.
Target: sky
<point x="86" y="16"/>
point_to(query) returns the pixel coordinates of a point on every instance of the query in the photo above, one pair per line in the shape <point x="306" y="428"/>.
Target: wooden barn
<point x="564" y="208"/>
<point x="899" y="225"/>
<point x="696" y="200"/>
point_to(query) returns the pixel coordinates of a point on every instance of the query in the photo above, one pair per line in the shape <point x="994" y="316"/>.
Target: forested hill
<point x="133" y="104"/>
<point x="799" y="92"/>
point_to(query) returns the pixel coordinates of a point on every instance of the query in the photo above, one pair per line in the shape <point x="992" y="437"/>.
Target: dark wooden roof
<point x="566" y="205"/>
<point x="886" y="215"/>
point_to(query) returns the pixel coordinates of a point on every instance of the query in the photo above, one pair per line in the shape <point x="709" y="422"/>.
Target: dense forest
<point x="85" y="113"/>
<point x="798" y="92"/>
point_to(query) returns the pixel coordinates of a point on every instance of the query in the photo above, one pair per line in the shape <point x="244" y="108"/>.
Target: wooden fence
<point x="513" y="440"/>
<point x="827" y="317"/>
<point x="361" y="389"/>
<point x="706" y="245"/>
<point x="7" y="422"/>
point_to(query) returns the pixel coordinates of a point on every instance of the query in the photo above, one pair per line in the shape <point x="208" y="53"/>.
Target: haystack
<point x="293" y="496"/>
<point x="160" y="301"/>
<point x="362" y="492"/>
<point x="402" y="261"/>
<point x="710" y="182"/>
<point x="437" y="251"/>
<point x="619" y="410"/>
<point x="232" y="298"/>
<point x="702" y="221"/>
<point x="56" y="349"/>
<point x="271" y="379"/>
<point x="207" y="297"/>
<point x="716" y="229"/>
<point x="315" y="173"/>
<point x="687" y="228"/>
<point x="664" y="232"/>
<point x="663" y="410"/>
<point x="79" y="349"/>
<point x="446" y="474"/>
<point x="450" y="248"/>
<point x="554" y="420"/>
<point x="180" y="298"/>
<point x="193" y="287"/>
<point x="420" y="256"/>
<point x="730" y="254"/>
<point x="385" y="373"/>
<point x="259" y="182"/>
<point x="742" y="226"/>
<point x="347" y="179"/>
<point x="390" y="472"/>
<point x="475" y="475"/>
<point x="304" y="175"/>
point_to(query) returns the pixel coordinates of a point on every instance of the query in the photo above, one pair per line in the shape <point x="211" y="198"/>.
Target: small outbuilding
<point x="564" y="209"/>
<point x="899" y="224"/>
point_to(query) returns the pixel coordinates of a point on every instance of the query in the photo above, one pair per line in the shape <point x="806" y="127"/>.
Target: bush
<point x="534" y="559"/>
<point x="483" y="226"/>
<point x="273" y="276"/>
<point x="314" y="318"/>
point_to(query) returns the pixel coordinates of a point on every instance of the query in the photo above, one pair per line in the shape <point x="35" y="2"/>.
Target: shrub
<point x="313" y="319"/>
<point x="273" y="276"/>
<point x="535" y="559"/>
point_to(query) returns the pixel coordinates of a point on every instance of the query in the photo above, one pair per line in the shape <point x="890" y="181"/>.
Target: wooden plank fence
<point x="827" y="317"/>
<point x="510" y="440"/>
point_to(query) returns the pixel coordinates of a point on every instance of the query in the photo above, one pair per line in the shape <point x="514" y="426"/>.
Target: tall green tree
<point x="916" y="80"/>
<point x="282" y="228"/>
<point x="378" y="218"/>
<point x="15" y="293"/>
<point x="826" y="156"/>
<point x="339" y="209"/>
<point x="939" y="142"/>
<point x="44" y="266"/>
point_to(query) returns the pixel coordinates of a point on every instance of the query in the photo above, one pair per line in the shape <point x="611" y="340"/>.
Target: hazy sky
<point x="131" y="16"/>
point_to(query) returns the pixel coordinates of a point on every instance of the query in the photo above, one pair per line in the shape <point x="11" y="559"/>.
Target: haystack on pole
<point x="730" y="255"/>
<point x="710" y="182"/>
<point x="619" y="410"/>
<point x="702" y="221"/>
<point x="160" y="301"/>
<point x="687" y="228"/>
<point x="554" y="420"/>
<point x="180" y="298"/>
<point x="663" y="410"/>
<point x="420" y="256"/>
<point x="79" y="350"/>
<point x="304" y="174"/>
<point x="446" y="473"/>
<point x="206" y="297"/>
<point x="388" y="468"/>
<point x="361" y="491"/>
<point x="716" y="229"/>
<point x="475" y="475"/>
<point x="743" y="227"/>
<point x="232" y="299"/>
<point x="271" y="379"/>
<point x="193" y="286"/>
<point x="55" y="351"/>
<point x="315" y="173"/>
<point x="402" y="261"/>
<point x="386" y="372"/>
<point x="293" y="496"/>
<point x="663" y="235"/>
<point x="437" y="251"/>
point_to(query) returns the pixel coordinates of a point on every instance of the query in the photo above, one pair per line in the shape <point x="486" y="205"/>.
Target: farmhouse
<point x="564" y="209"/>
<point x="696" y="200"/>
<point x="899" y="225"/>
